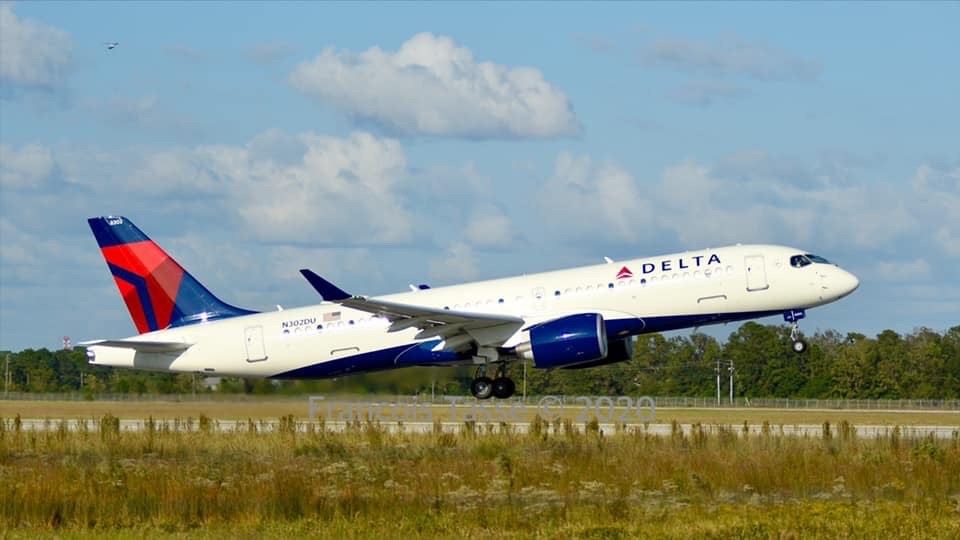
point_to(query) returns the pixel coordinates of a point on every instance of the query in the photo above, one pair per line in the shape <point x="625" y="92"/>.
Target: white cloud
<point x="937" y="189"/>
<point x="729" y="56"/>
<point x="901" y="270"/>
<point x="431" y="86"/>
<point x="40" y="259"/>
<point x="489" y="227"/>
<point x="281" y="188"/>
<point x="29" y="167"/>
<point x="342" y="192"/>
<point x="755" y="197"/>
<point x="306" y="189"/>
<point x="583" y="201"/>
<point x="702" y="210"/>
<point x="32" y="55"/>
<point x="457" y="264"/>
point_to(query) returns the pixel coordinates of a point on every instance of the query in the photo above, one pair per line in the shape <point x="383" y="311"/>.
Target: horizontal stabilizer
<point x="140" y="346"/>
<point x="328" y="291"/>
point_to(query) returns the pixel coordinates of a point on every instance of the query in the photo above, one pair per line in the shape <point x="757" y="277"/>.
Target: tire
<point x="482" y="388"/>
<point x="799" y="346"/>
<point x="503" y="388"/>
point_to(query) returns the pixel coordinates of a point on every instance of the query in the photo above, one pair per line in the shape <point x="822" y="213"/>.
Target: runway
<point x="605" y="429"/>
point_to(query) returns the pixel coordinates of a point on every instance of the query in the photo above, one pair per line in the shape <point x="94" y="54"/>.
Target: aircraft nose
<point x="846" y="282"/>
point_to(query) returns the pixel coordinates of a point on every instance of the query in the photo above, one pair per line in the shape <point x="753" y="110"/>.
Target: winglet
<point x="328" y="291"/>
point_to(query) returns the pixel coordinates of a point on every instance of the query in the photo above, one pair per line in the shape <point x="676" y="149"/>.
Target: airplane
<point x="566" y="319"/>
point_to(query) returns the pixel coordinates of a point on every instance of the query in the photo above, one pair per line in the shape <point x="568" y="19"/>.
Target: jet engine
<point x="618" y="350"/>
<point x="567" y="341"/>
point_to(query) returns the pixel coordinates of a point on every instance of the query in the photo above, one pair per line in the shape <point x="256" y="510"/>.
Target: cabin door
<point x="756" y="273"/>
<point x="253" y="336"/>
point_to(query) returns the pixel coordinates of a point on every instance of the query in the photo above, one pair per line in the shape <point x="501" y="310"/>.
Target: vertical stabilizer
<point x="158" y="292"/>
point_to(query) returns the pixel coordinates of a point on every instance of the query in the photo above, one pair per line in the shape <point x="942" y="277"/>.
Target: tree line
<point x="923" y="364"/>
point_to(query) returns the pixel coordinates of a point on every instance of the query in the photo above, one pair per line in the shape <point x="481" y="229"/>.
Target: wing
<point x="485" y="329"/>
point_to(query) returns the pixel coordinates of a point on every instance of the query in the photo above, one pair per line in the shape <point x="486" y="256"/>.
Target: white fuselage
<point x="634" y="297"/>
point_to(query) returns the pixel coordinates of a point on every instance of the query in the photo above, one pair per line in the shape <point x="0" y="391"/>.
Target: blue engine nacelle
<point x="618" y="350"/>
<point x="568" y="341"/>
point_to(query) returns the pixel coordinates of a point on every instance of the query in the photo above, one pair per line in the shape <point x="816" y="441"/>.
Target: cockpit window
<point x="799" y="261"/>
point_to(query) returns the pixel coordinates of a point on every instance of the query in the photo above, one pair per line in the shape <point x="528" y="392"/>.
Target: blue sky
<point x="383" y="144"/>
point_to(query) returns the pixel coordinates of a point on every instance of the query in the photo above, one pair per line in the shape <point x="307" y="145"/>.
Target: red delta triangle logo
<point x="624" y="273"/>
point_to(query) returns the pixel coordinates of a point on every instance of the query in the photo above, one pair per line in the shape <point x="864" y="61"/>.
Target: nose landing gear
<point x="500" y="387"/>
<point x="793" y="317"/>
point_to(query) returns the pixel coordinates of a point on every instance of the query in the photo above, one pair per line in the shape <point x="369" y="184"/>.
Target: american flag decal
<point x="331" y="317"/>
<point x="624" y="273"/>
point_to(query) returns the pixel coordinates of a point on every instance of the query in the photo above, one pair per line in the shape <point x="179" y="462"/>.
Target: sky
<point x="383" y="144"/>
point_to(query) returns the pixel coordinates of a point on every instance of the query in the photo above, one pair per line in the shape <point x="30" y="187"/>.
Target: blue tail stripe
<point x="142" y="293"/>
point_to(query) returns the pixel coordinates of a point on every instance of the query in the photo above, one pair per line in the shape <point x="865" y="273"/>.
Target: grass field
<point x="272" y="409"/>
<point x="367" y="483"/>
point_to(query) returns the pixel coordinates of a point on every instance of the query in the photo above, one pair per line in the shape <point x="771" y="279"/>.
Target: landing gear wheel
<point x="503" y="387"/>
<point x="482" y="387"/>
<point x="799" y="345"/>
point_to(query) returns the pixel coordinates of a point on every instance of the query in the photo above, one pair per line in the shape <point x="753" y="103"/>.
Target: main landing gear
<point x="500" y="387"/>
<point x="793" y="317"/>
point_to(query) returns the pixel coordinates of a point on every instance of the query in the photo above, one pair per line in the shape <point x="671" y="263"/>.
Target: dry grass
<point x="367" y="483"/>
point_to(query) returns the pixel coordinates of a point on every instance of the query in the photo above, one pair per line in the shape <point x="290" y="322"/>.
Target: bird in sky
<point x="111" y="44"/>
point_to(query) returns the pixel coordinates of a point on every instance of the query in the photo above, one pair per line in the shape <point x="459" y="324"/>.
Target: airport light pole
<point x="717" y="369"/>
<point x="731" y="381"/>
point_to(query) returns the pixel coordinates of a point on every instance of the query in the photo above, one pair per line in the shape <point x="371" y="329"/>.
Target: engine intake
<point x="568" y="341"/>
